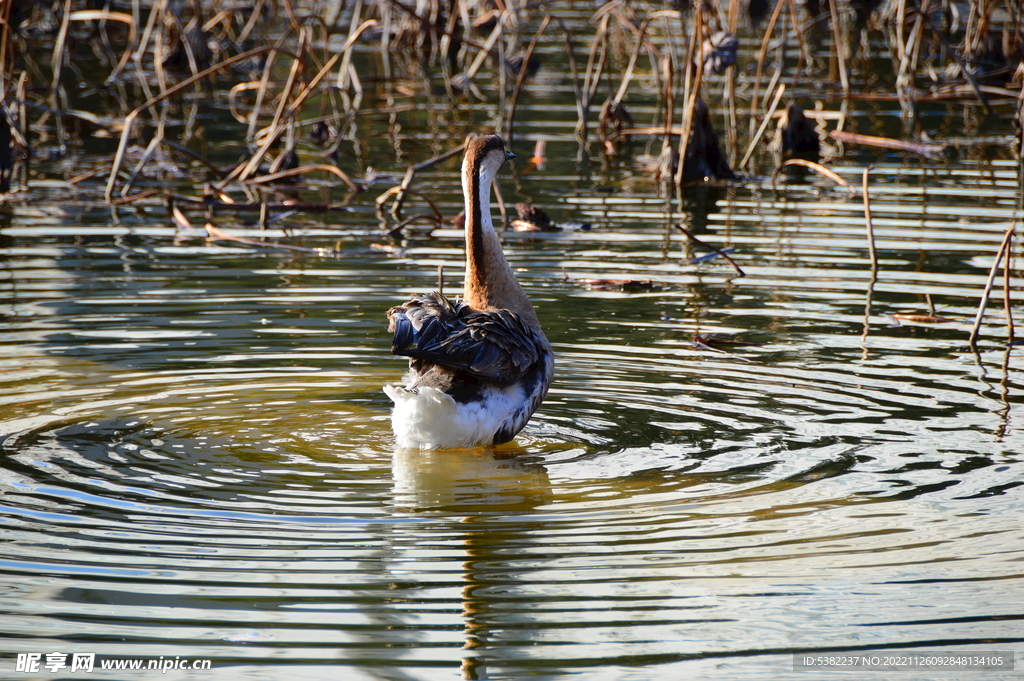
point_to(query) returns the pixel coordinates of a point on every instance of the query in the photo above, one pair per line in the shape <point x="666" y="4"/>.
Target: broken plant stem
<point x="764" y="124"/>
<point x="1003" y="247"/>
<point x="867" y="222"/>
<point x="521" y="78"/>
<point x="129" y="120"/>
<point x="816" y="167"/>
<point x="708" y="246"/>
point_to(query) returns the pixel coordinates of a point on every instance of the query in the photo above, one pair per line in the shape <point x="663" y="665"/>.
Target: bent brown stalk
<point x="1003" y="248"/>
<point x="410" y="172"/>
<point x="522" y="77"/>
<point x="816" y="167"/>
<point x="708" y="246"/>
<point x="867" y="222"/>
<point x="129" y="120"/>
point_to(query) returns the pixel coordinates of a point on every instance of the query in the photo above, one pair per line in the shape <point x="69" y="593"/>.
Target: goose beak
<point x="509" y="156"/>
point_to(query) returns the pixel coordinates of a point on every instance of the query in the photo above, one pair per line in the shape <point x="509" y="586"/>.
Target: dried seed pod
<point x="719" y="52"/>
<point x="614" y="118"/>
<point x="198" y="45"/>
<point x="704" y="157"/>
<point x="796" y="137"/>
<point x="323" y="133"/>
<point x="515" y="64"/>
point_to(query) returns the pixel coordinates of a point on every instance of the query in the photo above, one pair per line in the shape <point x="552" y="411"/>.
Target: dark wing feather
<point x="495" y="344"/>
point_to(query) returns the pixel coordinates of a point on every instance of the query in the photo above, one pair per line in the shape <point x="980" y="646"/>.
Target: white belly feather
<point x="432" y="419"/>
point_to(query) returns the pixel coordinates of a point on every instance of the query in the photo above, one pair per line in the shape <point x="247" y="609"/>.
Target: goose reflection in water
<point x="467" y="489"/>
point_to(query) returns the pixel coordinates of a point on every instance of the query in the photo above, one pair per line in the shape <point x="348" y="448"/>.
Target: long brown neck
<point x="490" y="281"/>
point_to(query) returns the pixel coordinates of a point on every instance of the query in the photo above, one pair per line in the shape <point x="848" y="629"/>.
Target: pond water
<point x="198" y="465"/>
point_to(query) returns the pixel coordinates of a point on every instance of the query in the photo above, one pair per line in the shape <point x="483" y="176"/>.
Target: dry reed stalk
<point x="816" y="167"/>
<point x="264" y="217"/>
<point x="978" y="25"/>
<point x="21" y="130"/>
<point x="521" y="78"/>
<point x="910" y="51"/>
<point x="429" y="26"/>
<point x="345" y="71"/>
<point x="708" y="246"/>
<point x="190" y="56"/>
<point x="445" y="44"/>
<point x="613" y="114"/>
<point x="151" y="148"/>
<point x="140" y="51"/>
<point x="102" y="15"/>
<point x="129" y="120"/>
<point x="58" y="98"/>
<point x="1003" y="248"/>
<point x="403" y="189"/>
<point x="932" y="151"/>
<point x="396" y="231"/>
<point x="1010" y="333"/>
<point x="286" y="112"/>
<point x="158" y="55"/>
<point x="59" y="46"/>
<point x="594" y="71"/>
<point x="263" y="89"/>
<point x="731" y="129"/>
<point x="805" y="50"/>
<point x="217" y="172"/>
<point x="837" y="39"/>
<point x="897" y="18"/>
<point x="141" y="196"/>
<point x="222" y="17"/>
<point x="868" y="224"/>
<point x="235" y="108"/>
<point x="502" y="74"/>
<point x="297" y="68"/>
<point x="484" y="50"/>
<point x="764" y="125"/>
<point x="668" y="94"/>
<point x="257" y="13"/>
<point x="180" y="221"/>
<point x="574" y="70"/>
<point x="687" y="72"/>
<point x="874" y="262"/>
<point x="971" y="80"/>
<point x="301" y="170"/>
<point x="401" y="192"/>
<point x="219" y="235"/>
<point x="291" y="15"/>
<point x="627" y="75"/>
<point x="755" y="94"/>
<point x="5" y="48"/>
<point x="224" y="202"/>
<point x="693" y="89"/>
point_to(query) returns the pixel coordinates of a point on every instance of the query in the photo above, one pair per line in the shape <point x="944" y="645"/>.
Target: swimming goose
<point x="479" y="367"/>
